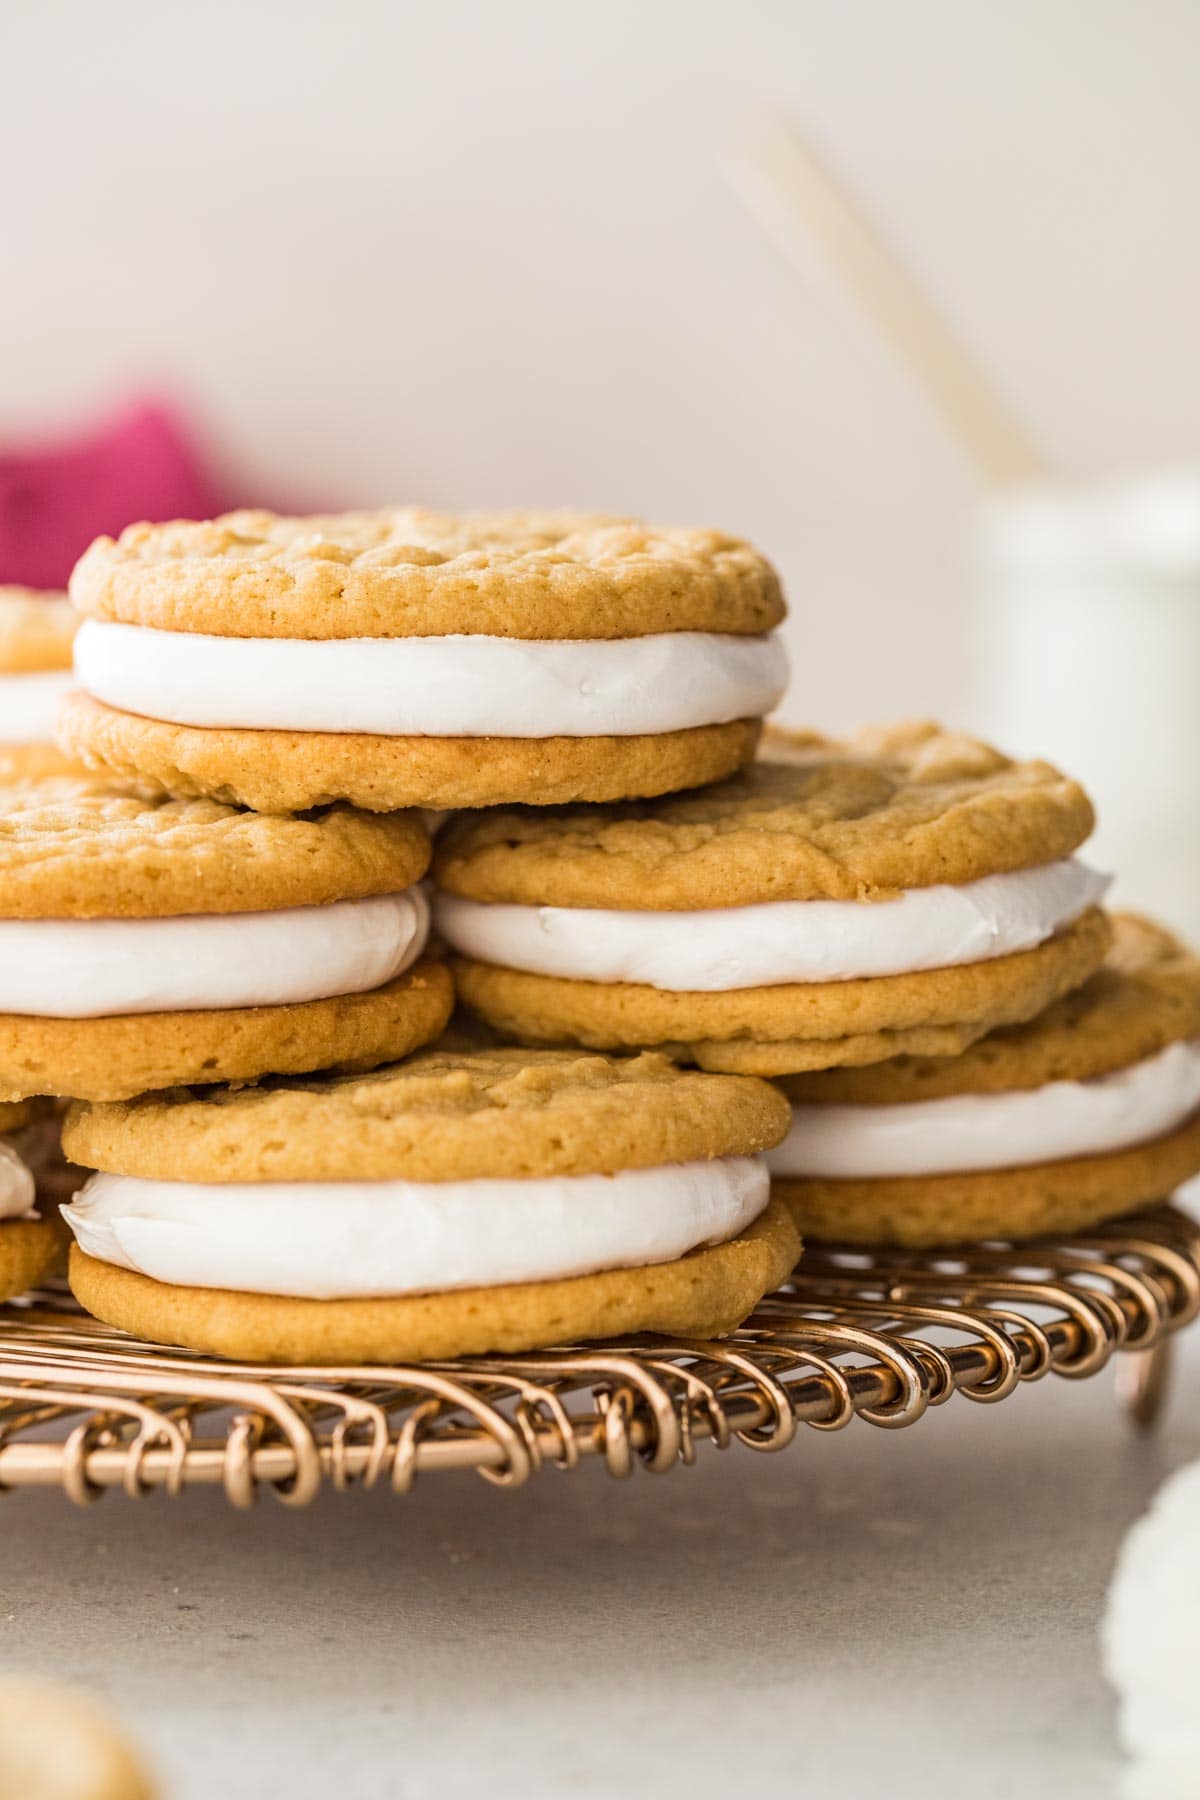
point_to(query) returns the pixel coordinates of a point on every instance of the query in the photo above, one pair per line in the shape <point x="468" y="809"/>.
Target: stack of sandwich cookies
<point x="36" y="635"/>
<point x="145" y="942"/>
<point x="835" y="904"/>
<point x="1087" y="1112"/>
<point x="30" y="1246"/>
<point x="407" y="658"/>
<point x="461" y="1202"/>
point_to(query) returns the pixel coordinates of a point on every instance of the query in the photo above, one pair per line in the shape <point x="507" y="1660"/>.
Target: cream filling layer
<point x="94" y="968"/>
<point x="28" y="704"/>
<point x="966" y="1132"/>
<point x="17" y="1186"/>
<point x="465" y="686"/>
<point x="325" y="1240"/>
<point x="730" y="947"/>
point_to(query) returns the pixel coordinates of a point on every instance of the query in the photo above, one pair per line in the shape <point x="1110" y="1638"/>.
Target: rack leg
<point x="1141" y="1380"/>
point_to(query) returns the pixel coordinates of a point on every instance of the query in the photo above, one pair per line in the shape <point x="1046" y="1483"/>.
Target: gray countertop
<point x="864" y="1609"/>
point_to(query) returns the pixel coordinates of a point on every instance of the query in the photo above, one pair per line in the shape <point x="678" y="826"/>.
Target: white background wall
<point x="474" y="252"/>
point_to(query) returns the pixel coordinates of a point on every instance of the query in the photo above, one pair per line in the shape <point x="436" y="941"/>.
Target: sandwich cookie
<point x="145" y="942"/>
<point x="837" y="903"/>
<point x="459" y="1203"/>
<point x="30" y="1246"/>
<point x="36" y="635"/>
<point x="1091" y="1110"/>
<point x="57" y="1743"/>
<point x="410" y="658"/>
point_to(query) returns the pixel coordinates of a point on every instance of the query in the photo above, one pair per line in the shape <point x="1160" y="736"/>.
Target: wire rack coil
<point x="877" y="1337"/>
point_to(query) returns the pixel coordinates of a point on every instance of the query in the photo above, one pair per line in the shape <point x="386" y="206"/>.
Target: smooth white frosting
<point x="781" y="940"/>
<point x="434" y="686"/>
<point x="327" y="1240"/>
<point x="93" y="968"/>
<point x="963" y="1132"/>
<point x="17" y="1187"/>
<point x="28" y="704"/>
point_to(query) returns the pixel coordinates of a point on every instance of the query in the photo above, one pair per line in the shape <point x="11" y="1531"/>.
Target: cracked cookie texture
<point x="410" y="572"/>
<point x="440" y="1116"/>
<point x="89" y="848"/>
<point x="815" y="818"/>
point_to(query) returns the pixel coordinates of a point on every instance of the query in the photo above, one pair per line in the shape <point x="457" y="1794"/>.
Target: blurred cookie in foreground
<point x="31" y="1243"/>
<point x="837" y="903"/>
<point x="410" y="658"/>
<point x="58" y="1744"/>
<point x="145" y="941"/>
<point x="1088" y="1112"/>
<point x="457" y="1203"/>
<point x="37" y="631"/>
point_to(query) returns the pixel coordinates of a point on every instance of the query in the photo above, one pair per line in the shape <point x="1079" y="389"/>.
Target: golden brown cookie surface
<point x="36" y="632"/>
<point x="1145" y="997"/>
<point x="896" y="808"/>
<point x="117" y="1057"/>
<point x="87" y="848"/>
<point x="291" y="771"/>
<point x="56" y="1744"/>
<point x="30" y="1250"/>
<point x="33" y="762"/>
<point x="756" y="1030"/>
<point x="1033" y="1201"/>
<point x="704" y="1294"/>
<point x="441" y="1116"/>
<point x="408" y="572"/>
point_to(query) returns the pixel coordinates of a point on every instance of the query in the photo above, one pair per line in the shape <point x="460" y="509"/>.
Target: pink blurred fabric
<point x="55" y="498"/>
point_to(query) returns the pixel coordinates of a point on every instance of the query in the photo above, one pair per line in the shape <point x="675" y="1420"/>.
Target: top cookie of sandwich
<point x="1145" y="997"/>
<point x="407" y="572"/>
<point x="909" y="806"/>
<point x="82" y="848"/>
<point x="439" y="1116"/>
<point x="36" y="631"/>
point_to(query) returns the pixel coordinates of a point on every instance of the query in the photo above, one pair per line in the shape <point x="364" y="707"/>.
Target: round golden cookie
<point x="37" y="631"/>
<point x="290" y="771"/>
<point x="1146" y="996"/>
<point x="442" y="1116"/>
<point x="30" y="1251"/>
<point x="408" y="572"/>
<point x="87" y="848"/>
<point x="125" y="1054"/>
<point x="907" y="806"/>
<point x="795" y="1025"/>
<point x="1033" y="1201"/>
<point x="56" y="1744"/>
<point x="704" y="1294"/>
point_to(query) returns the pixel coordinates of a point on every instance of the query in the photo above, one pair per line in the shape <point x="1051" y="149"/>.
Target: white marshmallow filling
<point x="97" y="968"/>
<point x="327" y="1240"/>
<point x="460" y="686"/>
<point x="723" y="948"/>
<point x="961" y="1133"/>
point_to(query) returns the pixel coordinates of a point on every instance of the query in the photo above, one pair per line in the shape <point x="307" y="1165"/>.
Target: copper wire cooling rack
<point x="880" y="1337"/>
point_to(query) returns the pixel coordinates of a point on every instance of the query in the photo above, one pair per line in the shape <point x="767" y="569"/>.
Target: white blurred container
<point x="1088" y="653"/>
